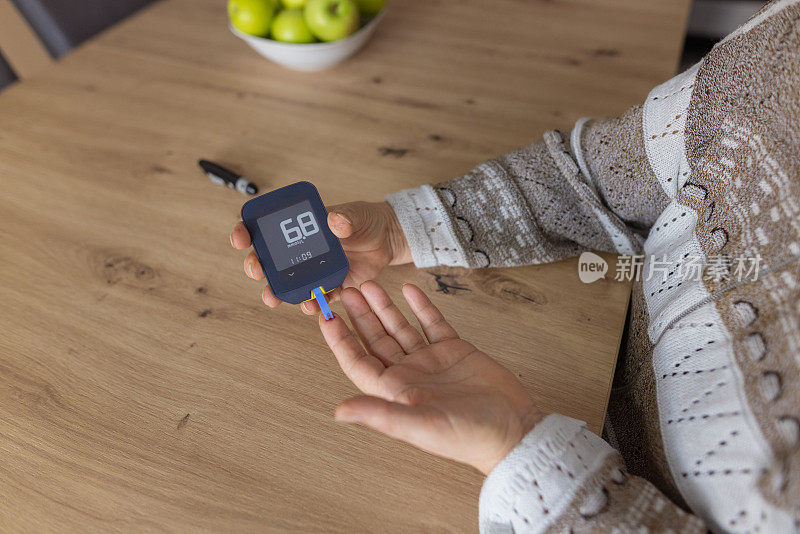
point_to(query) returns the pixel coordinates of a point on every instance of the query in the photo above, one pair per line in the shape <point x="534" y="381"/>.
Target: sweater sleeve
<point x="563" y="478"/>
<point x="592" y="189"/>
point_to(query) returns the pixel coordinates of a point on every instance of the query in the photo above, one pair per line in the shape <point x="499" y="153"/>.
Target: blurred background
<point x="62" y="25"/>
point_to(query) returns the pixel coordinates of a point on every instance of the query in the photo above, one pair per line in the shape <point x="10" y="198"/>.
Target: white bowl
<point x="311" y="56"/>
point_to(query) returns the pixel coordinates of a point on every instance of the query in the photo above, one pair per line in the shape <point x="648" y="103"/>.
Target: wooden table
<point x="143" y="385"/>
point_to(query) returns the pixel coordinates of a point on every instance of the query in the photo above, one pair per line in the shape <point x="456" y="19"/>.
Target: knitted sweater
<point x="705" y="408"/>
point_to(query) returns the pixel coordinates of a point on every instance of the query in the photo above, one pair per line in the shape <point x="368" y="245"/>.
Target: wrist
<point x="518" y="429"/>
<point x="401" y="251"/>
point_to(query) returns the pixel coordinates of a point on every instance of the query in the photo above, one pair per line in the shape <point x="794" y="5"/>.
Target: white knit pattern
<point x="712" y="442"/>
<point x="577" y="149"/>
<point x="535" y="483"/>
<point x="671" y="251"/>
<point x="427" y="228"/>
<point x="664" y="122"/>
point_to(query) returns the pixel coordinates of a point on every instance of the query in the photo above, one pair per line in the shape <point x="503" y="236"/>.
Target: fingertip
<point x="354" y="302"/>
<point x="375" y="294"/>
<point x="354" y="409"/>
<point x="330" y="325"/>
<point x="240" y="237"/>
<point x="412" y="293"/>
<point x="368" y="284"/>
<point x="348" y="294"/>
<point x="343" y="414"/>
<point x="415" y="297"/>
<point x="268" y="298"/>
<point x="340" y="225"/>
<point x="310" y="307"/>
<point x="403" y="291"/>
<point x="433" y="323"/>
<point x="344" y="218"/>
<point x="252" y="267"/>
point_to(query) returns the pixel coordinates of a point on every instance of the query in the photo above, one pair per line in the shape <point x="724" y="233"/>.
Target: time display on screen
<point x="293" y="235"/>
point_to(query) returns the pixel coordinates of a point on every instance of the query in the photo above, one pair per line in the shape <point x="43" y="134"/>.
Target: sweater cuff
<point x="534" y="484"/>
<point x="428" y="228"/>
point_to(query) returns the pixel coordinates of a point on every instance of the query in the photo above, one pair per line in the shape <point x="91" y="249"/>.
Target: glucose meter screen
<point x="293" y="235"/>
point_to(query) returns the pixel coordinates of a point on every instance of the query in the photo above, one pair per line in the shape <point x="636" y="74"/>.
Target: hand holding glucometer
<point x="369" y="234"/>
<point x="299" y="255"/>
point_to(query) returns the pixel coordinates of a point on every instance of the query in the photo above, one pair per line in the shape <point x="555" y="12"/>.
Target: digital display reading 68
<point x="293" y="235"/>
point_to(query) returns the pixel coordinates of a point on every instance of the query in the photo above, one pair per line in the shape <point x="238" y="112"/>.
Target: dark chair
<point x="64" y="24"/>
<point x="32" y="32"/>
<point x="6" y="74"/>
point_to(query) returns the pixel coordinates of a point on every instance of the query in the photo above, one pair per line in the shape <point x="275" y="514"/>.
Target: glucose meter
<point x="301" y="257"/>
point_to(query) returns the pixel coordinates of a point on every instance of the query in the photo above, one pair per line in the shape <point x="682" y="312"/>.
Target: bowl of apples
<point x="305" y="35"/>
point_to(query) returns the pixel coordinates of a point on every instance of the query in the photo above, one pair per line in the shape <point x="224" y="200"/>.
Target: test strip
<point x="323" y="304"/>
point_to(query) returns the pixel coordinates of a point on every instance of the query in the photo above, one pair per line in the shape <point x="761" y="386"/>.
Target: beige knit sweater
<point x="704" y="178"/>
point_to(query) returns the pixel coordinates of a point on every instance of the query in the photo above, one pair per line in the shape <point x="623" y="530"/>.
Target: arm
<point x="443" y="395"/>
<point x="565" y="478"/>
<point x="592" y="189"/>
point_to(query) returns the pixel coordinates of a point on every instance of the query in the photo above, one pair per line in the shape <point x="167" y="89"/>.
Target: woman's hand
<point x="371" y="237"/>
<point x="442" y="395"/>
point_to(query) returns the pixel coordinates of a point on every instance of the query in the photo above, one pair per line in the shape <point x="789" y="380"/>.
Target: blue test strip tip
<point x="323" y="304"/>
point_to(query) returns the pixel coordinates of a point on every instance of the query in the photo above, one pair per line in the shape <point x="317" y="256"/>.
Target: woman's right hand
<point x="371" y="237"/>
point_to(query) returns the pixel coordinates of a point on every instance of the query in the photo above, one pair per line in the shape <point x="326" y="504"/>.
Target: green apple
<point x="331" y="20"/>
<point x="294" y="4"/>
<point x="370" y="7"/>
<point x="289" y="27"/>
<point x="252" y="16"/>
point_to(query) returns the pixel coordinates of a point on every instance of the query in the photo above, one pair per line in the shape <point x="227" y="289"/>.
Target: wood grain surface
<point x="143" y="385"/>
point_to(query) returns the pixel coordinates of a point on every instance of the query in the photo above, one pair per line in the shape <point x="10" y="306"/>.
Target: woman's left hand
<point x="442" y="395"/>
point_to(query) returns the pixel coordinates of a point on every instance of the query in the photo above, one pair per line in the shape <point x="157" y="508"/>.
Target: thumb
<point x="340" y="224"/>
<point x="345" y="220"/>
<point x="396" y="420"/>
